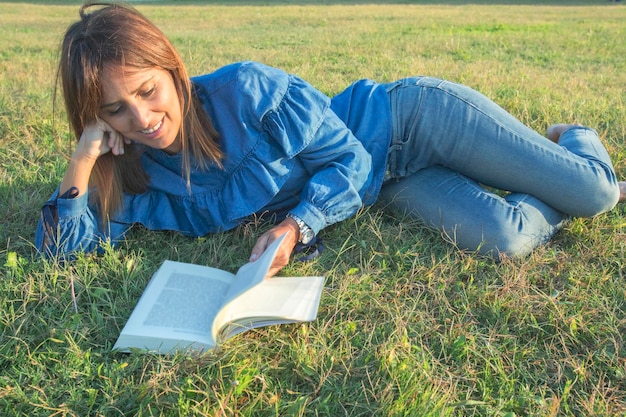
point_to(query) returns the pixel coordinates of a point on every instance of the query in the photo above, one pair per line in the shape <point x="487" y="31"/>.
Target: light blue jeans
<point x="449" y="140"/>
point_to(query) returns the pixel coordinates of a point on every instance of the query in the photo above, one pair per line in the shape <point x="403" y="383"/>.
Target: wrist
<point x="305" y="233"/>
<point x="83" y="157"/>
<point x="291" y="224"/>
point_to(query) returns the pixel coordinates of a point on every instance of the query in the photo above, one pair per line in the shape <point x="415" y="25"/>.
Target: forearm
<point x="77" y="173"/>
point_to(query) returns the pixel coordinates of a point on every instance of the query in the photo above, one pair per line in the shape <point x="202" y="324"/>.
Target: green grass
<point x="407" y="326"/>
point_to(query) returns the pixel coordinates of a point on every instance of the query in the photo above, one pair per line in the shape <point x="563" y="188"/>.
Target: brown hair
<point x="117" y="35"/>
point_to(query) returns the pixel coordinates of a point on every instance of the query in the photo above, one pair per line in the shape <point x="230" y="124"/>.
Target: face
<point x="142" y="105"/>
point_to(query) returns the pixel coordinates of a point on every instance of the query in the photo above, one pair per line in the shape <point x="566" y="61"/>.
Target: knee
<point x="598" y="199"/>
<point x="512" y="237"/>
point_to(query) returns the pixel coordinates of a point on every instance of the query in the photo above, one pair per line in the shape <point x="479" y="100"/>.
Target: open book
<point x="193" y="307"/>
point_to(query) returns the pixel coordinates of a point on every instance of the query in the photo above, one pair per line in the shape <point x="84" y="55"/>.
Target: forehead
<point x="119" y="84"/>
<point x="126" y="79"/>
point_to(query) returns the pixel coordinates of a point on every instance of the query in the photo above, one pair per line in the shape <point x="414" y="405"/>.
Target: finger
<point x="112" y="140"/>
<point x="259" y="247"/>
<point x="116" y="142"/>
<point x="120" y="145"/>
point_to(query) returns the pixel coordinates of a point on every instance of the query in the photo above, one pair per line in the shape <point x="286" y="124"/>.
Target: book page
<point x="179" y="304"/>
<point x="276" y="300"/>
<point x="253" y="273"/>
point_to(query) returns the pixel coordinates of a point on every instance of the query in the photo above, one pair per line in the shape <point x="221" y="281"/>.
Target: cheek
<point x="173" y="107"/>
<point x="119" y="123"/>
<point x="171" y="102"/>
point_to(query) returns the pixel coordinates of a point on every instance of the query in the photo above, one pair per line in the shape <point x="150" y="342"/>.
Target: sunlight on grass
<point x="408" y="326"/>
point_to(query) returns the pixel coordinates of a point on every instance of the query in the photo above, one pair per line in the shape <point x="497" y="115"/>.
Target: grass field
<point x="407" y="326"/>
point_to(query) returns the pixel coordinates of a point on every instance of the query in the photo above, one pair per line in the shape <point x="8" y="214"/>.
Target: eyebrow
<point x="131" y="93"/>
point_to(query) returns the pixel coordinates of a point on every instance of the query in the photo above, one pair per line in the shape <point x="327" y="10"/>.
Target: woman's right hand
<point x="99" y="138"/>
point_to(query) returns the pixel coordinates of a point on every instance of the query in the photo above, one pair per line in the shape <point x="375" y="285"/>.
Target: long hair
<point x="116" y="36"/>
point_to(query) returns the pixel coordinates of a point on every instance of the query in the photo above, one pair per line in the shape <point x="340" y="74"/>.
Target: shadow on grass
<point x="20" y="215"/>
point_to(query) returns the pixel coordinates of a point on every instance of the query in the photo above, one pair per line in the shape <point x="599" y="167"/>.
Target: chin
<point x="172" y="147"/>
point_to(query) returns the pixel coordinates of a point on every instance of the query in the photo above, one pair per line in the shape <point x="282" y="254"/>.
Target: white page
<point x="275" y="300"/>
<point x="253" y="273"/>
<point x="179" y="303"/>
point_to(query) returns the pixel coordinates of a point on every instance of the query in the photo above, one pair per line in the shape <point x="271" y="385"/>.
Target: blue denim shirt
<point x="287" y="148"/>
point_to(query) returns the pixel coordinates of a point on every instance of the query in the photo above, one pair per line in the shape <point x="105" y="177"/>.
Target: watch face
<point x="306" y="236"/>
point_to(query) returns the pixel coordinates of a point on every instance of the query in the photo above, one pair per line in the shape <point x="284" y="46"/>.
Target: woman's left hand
<point x="287" y="226"/>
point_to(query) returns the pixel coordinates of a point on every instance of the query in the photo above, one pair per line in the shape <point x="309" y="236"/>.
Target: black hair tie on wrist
<point x="311" y="250"/>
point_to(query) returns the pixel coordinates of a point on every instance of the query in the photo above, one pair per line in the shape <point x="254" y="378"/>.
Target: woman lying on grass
<point x="203" y="155"/>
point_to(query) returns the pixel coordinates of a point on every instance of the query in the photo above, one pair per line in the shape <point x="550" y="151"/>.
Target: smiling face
<point x="143" y="106"/>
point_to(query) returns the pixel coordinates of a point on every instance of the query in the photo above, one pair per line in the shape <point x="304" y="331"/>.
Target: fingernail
<point x="253" y="257"/>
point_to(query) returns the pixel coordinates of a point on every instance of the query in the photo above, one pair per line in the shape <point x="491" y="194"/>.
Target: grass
<point x="407" y="326"/>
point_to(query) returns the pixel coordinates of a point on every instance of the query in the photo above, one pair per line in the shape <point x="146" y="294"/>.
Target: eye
<point x="115" y="111"/>
<point x="147" y="93"/>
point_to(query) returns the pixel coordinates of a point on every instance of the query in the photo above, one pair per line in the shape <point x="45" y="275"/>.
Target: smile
<point x="152" y="129"/>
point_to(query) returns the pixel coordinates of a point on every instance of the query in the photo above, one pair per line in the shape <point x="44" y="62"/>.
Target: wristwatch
<point x="306" y="233"/>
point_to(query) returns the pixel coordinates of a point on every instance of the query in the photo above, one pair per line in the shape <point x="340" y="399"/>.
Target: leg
<point x="554" y="134"/>
<point x="473" y="218"/>
<point x="441" y="123"/>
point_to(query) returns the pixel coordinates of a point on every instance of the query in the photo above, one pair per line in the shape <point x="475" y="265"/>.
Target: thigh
<point x="470" y="216"/>
<point x="442" y="123"/>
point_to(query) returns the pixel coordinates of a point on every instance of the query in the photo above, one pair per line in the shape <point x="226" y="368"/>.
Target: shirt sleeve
<point x="68" y="225"/>
<point x="337" y="165"/>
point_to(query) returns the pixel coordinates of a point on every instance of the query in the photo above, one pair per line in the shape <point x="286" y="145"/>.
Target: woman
<point x="203" y="155"/>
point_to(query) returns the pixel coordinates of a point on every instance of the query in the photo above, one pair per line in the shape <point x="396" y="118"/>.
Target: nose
<point x="141" y="115"/>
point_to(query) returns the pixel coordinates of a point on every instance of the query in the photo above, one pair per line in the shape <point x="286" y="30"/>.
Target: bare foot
<point x="555" y="131"/>
<point x="622" y="191"/>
